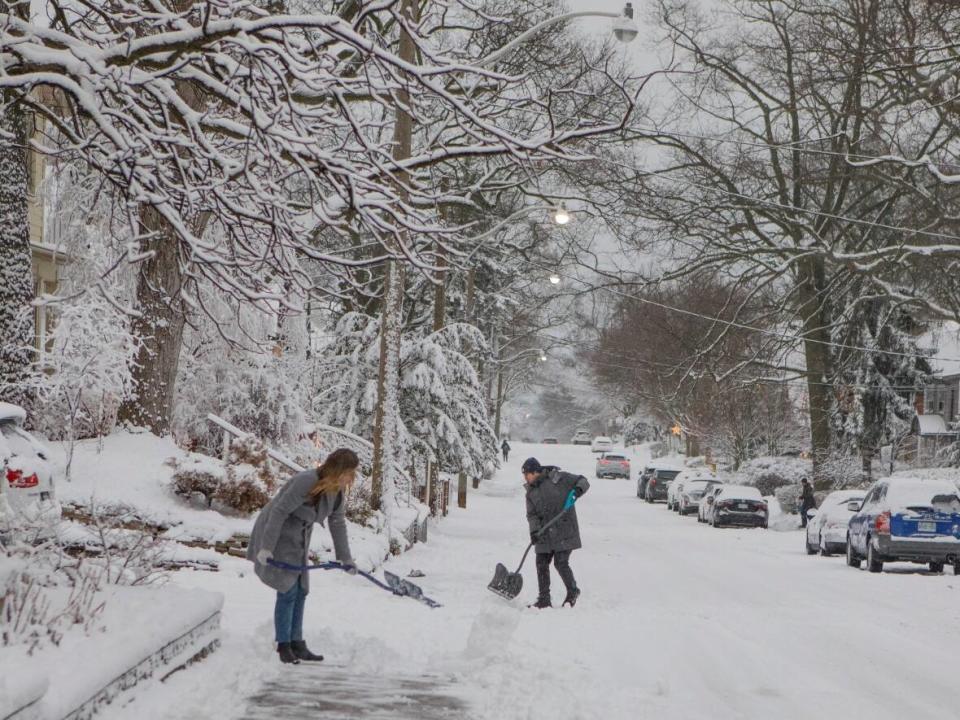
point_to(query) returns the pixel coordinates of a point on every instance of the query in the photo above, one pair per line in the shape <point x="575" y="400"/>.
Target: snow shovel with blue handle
<point x="508" y="584"/>
<point x="394" y="583"/>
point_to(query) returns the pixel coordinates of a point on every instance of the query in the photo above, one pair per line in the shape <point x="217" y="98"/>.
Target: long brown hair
<point x="330" y="474"/>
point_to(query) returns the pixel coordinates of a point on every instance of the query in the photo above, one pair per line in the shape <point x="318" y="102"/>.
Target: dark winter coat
<point x="505" y="446"/>
<point x="545" y="498"/>
<point x="807" y="501"/>
<point x="285" y="526"/>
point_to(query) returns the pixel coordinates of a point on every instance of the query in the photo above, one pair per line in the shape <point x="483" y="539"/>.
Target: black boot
<point x="286" y="654"/>
<point x="571" y="598"/>
<point x="541" y="603"/>
<point x="299" y="648"/>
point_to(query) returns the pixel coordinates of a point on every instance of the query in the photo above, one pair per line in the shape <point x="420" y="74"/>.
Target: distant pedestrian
<point x="282" y="532"/>
<point x="505" y="447"/>
<point x="547" y="491"/>
<point x="806" y="500"/>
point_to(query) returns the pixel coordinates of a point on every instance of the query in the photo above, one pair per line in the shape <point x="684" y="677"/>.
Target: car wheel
<point x="874" y="565"/>
<point x="824" y="550"/>
<point x="852" y="559"/>
<point x="936" y="567"/>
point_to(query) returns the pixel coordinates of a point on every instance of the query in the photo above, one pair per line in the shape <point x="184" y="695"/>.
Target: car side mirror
<point x="854" y="506"/>
<point x="810" y="513"/>
<point x="710" y="500"/>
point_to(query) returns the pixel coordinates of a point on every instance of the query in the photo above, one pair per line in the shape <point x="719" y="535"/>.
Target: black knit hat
<point x="531" y="465"/>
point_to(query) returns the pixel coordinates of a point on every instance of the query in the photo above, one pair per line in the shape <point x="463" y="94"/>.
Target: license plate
<point x="927" y="527"/>
<point x="742" y="506"/>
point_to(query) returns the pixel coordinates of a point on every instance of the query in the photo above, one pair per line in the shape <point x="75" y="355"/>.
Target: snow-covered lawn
<point x="677" y="620"/>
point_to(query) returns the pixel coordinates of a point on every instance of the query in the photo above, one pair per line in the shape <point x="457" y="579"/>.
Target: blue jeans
<point x="288" y="614"/>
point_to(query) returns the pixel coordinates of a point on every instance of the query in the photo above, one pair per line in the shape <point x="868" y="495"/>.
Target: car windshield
<point x="667" y="474"/>
<point x="17" y="440"/>
<point x="697" y="485"/>
<point x="614" y="457"/>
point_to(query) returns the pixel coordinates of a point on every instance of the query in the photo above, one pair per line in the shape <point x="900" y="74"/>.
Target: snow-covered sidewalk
<point x="677" y="620"/>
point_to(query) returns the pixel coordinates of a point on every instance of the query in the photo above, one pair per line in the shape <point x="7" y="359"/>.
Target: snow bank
<point x="140" y="627"/>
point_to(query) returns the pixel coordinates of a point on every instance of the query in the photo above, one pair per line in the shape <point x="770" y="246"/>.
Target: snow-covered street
<point x="677" y="620"/>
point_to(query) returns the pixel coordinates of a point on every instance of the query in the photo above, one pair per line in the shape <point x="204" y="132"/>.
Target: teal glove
<point x="571" y="499"/>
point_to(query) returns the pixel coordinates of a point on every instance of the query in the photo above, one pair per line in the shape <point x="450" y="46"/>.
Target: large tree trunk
<point x="813" y="313"/>
<point x="160" y="329"/>
<point x="16" y="274"/>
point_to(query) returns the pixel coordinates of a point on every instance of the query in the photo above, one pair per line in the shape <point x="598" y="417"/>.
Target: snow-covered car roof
<point x="839" y="497"/>
<point x="741" y="492"/>
<point x="908" y="491"/>
<point x="9" y="411"/>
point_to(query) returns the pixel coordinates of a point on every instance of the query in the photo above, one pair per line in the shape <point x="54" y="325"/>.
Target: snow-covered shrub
<point x="949" y="456"/>
<point x="767" y="474"/>
<point x="192" y="480"/>
<point x="41" y="598"/>
<point x="843" y="470"/>
<point x="244" y="484"/>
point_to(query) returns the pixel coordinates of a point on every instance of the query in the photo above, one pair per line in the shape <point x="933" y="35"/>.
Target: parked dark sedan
<point x="648" y="473"/>
<point x="659" y="484"/>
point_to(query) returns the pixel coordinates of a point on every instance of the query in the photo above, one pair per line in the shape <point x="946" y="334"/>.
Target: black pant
<point x="561" y="559"/>
<point x="505" y="453"/>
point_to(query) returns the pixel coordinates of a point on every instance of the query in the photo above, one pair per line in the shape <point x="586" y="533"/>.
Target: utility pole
<point x="439" y="319"/>
<point x="386" y="420"/>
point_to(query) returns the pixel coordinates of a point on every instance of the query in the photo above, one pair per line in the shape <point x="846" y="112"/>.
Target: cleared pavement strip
<point x="319" y="691"/>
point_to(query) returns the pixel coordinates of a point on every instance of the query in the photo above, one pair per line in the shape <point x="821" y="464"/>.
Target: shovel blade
<point x="505" y="583"/>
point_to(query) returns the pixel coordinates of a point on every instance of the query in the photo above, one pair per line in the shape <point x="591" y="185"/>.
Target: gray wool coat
<point x="545" y="499"/>
<point x="285" y="526"/>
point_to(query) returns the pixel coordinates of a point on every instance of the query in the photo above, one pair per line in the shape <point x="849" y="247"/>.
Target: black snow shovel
<point x="508" y="584"/>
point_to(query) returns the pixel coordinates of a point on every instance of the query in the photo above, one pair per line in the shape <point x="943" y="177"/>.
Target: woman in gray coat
<point x="282" y="532"/>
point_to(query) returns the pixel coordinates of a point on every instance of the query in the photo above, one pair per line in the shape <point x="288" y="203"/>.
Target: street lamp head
<point x="543" y="356"/>
<point x="561" y="216"/>
<point x="555" y="279"/>
<point x="624" y="27"/>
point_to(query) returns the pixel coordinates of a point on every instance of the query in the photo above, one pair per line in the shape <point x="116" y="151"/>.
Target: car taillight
<point x="16" y="479"/>
<point x="604" y="462"/>
<point x="724" y="503"/>
<point x="653" y="481"/>
<point x="882" y="524"/>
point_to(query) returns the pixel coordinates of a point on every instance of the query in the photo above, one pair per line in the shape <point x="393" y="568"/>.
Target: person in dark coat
<point x="806" y="500"/>
<point x="506" y="449"/>
<point x="547" y="491"/>
<point x="282" y="532"/>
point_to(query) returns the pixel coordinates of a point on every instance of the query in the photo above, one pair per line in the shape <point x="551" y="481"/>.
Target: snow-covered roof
<point x="9" y="411"/>
<point x="932" y="425"/>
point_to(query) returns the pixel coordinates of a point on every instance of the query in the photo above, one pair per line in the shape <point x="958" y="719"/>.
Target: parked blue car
<point x="906" y="520"/>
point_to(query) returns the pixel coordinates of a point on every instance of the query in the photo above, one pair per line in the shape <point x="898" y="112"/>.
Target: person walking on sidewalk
<point x="505" y="447"/>
<point x="806" y="500"/>
<point x="547" y="491"/>
<point x="282" y="532"/>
